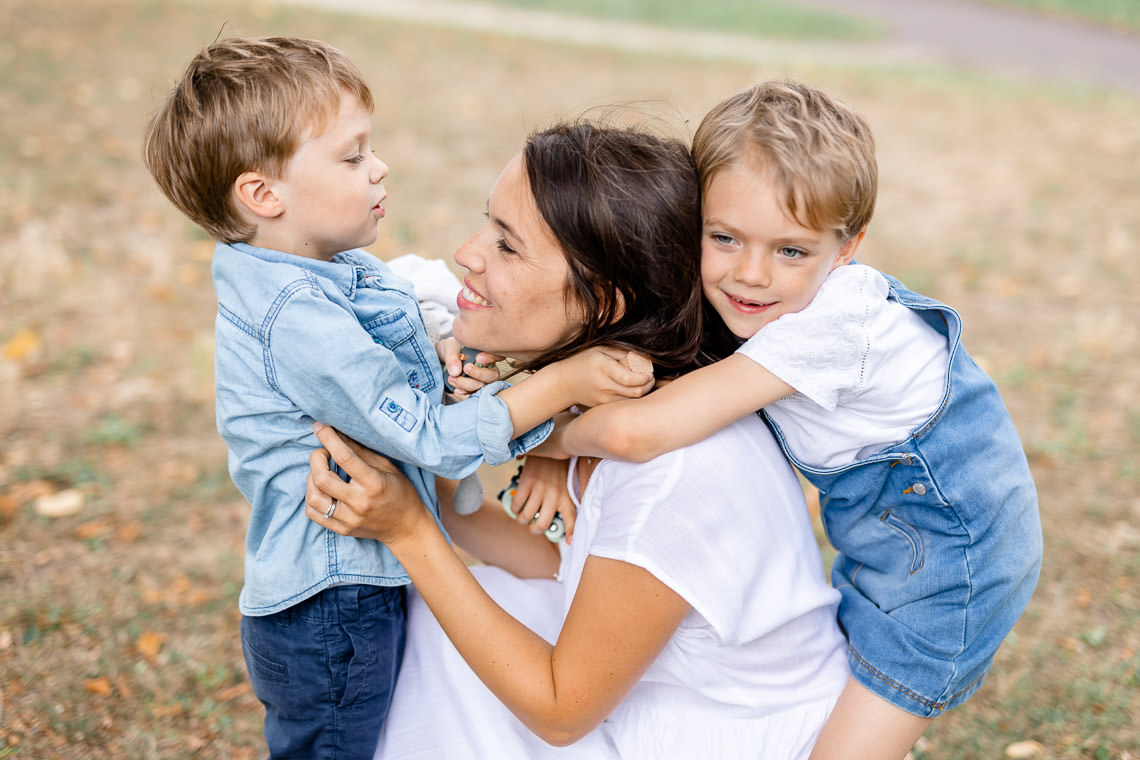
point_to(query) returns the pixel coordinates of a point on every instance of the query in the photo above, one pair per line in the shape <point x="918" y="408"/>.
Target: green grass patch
<point x="767" y="19"/>
<point x="1123" y="14"/>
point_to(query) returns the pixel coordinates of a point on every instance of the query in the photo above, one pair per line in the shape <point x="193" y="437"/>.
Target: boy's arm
<point x="864" y="727"/>
<point x="686" y="410"/>
<point x="591" y="377"/>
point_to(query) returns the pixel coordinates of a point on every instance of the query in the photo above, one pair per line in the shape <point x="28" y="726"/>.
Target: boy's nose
<point x="379" y="169"/>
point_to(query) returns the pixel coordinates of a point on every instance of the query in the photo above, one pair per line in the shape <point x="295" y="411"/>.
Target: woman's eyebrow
<point x="508" y="231"/>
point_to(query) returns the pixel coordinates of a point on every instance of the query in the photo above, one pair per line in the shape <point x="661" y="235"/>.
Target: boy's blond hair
<point x="243" y="104"/>
<point x="820" y="152"/>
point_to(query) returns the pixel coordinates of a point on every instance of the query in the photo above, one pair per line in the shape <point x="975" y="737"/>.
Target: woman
<point x="689" y="620"/>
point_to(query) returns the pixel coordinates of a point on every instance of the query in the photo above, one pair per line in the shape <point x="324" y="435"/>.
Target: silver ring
<point x="331" y="509"/>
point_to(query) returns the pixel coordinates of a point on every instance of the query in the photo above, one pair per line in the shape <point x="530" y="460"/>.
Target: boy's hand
<point x="542" y="493"/>
<point x="601" y="374"/>
<point x="467" y="377"/>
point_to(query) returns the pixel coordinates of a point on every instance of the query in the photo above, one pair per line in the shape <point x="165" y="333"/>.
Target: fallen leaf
<point x="60" y="504"/>
<point x="100" y="686"/>
<point x="233" y="692"/>
<point x="128" y="532"/>
<point x="92" y="529"/>
<point x="149" y="645"/>
<point x="22" y="345"/>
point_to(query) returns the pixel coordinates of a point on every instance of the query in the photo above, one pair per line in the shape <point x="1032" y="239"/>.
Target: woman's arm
<point x="618" y="623"/>
<point x="492" y="537"/>
<point x="686" y="410"/>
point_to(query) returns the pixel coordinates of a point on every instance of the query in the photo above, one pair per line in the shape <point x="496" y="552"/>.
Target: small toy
<point x="557" y="530"/>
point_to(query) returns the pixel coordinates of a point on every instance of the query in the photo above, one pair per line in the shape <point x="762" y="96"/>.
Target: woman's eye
<point x="504" y="246"/>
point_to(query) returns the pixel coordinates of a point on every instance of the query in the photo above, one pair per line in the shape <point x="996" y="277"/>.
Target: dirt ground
<point x="121" y="536"/>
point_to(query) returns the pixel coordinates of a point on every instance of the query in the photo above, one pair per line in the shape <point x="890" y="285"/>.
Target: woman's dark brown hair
<point x="625" y="207"/>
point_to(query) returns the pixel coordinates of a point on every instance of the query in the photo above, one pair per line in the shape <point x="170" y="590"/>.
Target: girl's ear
<point x="255" y="192"/>
<point x="847" y="251"/>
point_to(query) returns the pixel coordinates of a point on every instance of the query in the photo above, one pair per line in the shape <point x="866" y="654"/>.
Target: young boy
<point x="924" y="487"/>
<point x="266" y="143"/>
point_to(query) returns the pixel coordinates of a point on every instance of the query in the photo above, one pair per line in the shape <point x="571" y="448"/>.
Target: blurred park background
<point x="1017" y="200"/>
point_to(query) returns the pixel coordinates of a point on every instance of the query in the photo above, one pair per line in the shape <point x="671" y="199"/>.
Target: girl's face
<point x="514" y="297"/>
<point x="757" y="263"/>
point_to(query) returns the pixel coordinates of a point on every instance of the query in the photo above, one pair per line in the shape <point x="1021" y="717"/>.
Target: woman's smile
<point x="469" y="298"/>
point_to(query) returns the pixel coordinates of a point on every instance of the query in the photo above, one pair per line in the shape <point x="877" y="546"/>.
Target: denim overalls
<point x="939" y="539"/>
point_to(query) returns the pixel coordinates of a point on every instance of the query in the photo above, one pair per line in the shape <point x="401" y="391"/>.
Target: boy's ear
<point x="255" y="192"/>
<point x="848" y="249"/>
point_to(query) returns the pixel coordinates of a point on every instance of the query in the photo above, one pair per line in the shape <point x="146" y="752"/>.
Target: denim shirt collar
<point x="346" y="270"/>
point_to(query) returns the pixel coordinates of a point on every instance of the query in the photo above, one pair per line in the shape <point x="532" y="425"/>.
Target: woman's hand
<point x="542" y="493"/>
<point x="467" y="378"/>
<point x="378" y="503"/>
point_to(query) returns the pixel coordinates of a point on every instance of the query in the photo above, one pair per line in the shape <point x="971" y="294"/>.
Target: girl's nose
<point x="753" y="269"/>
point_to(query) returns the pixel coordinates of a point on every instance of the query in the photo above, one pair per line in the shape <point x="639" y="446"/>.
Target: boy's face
<point x="757" y="263"/>
<point x="331" y="189"/>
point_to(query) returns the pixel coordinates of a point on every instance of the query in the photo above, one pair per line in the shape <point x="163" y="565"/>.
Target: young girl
<point x="925" y="490"/>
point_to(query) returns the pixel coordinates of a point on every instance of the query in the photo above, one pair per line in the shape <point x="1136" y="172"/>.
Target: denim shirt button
<point x="919" y="489"/>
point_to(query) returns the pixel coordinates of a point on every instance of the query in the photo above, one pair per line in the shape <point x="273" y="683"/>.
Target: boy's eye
<point x="355" y="159"/>
<point x="792" y="253"/>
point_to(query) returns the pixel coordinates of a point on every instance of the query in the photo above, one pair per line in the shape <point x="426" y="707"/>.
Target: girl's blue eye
<point x="722" y="239"/>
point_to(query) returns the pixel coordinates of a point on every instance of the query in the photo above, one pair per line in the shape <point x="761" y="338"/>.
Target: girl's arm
<point x="591" y="377"/>
<point x="620" y="619"/>
<point x="686" y="410"/>
<point x="865" y="727"/>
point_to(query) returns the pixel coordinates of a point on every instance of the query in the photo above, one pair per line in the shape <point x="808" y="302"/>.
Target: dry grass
<point x="118" y="624"/>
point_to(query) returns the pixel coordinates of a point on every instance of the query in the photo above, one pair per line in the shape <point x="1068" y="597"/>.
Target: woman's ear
<point x="255" y="192"/>
<point x="847" y="251"/>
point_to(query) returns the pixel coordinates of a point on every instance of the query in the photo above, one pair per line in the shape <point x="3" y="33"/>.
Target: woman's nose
<point x="753" y="269"/>
<point x="471" y="254"/>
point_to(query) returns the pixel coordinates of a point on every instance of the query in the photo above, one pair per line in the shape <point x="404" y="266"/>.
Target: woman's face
<point x="513" y="301"/>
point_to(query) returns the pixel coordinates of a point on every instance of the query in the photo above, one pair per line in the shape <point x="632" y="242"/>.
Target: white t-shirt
<point x="867" y="370"/>
<point x="723" y="524"/>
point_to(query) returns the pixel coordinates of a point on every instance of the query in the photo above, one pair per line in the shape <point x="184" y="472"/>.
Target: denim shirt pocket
<point x="396" y="331"/>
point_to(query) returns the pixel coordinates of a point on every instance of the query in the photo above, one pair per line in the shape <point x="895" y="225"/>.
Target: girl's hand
<point x="542" y="493"/>
<point x="378" y="503"/>
<point x="601" y="374"/>
<point x="467" y="378"/>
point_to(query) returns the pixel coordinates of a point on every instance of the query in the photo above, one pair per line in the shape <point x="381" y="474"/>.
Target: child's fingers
<point x="484" y="375"/>
<point x="486" y="359"/>
<point x="569" y="516"/>
<point x="448" y="351"/>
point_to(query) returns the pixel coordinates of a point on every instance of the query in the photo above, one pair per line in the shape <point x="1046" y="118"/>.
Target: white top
<point x="867" y="370"/>
<point x="723" y="524"/>
<point x="753" y="670"/>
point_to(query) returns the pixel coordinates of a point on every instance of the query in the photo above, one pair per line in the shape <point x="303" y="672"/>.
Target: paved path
<point x="992" y="37"/>
<point x="961" y="32"/>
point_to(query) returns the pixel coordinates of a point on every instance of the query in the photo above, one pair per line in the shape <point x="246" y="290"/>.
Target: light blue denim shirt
<point x="342" y="342"/>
